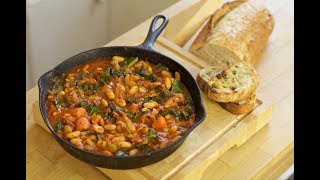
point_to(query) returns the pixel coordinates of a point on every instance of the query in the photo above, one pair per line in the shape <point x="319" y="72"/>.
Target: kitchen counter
<point x="266" y="155"/>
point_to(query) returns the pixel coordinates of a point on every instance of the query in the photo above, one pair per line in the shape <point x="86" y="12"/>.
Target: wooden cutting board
<point x="219" y="132"/>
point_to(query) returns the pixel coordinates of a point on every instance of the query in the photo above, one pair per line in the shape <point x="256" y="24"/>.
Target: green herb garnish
<point x="106" y="76"/>
<point x="144" y="148"/>
<point x="107" y="116"/>
<point x="186" y="113"/>
<point x="133" y="61"/>
<point x="115" y="107"/>
<point x="152" y="134"/>
<point x="129" y="62"/>
<point x="56" y="87"/>
<point x="172" y="112"/>
<point x="146" y="75"/>
<point x="93" y="88"/>
<point x="115" y="72"/>
<point x="161" y="67"/>
<point x="176" y="86"/>
<point x="59" y="125"/>
<point x="92" y="108"/>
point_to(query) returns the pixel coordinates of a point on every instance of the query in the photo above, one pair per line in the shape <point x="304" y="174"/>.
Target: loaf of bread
<point x="238" y="31"/>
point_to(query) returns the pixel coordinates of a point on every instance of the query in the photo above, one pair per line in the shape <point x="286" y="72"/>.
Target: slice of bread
<point x="233" y="84"/>
<point x="241" y="107"/>
<point x="238" y="31"/>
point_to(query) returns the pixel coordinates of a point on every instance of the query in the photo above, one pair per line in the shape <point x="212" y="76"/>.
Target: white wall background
<point x="59" y="29"/>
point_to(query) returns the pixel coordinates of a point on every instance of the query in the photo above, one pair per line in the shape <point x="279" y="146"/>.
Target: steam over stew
<point x="122" y="107"/>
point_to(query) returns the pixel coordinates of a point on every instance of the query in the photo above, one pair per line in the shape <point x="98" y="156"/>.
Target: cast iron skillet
<point x="144" y="51"/>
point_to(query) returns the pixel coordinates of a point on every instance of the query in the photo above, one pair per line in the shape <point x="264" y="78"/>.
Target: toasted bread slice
<point x="233" y="84"/>
<point x="241" y="107"/>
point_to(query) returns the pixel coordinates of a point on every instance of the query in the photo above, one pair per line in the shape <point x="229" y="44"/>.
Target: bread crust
<point x="251" y="28"/>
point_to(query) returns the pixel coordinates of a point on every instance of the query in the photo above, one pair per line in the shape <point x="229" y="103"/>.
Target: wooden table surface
<point x="264" y="156"/>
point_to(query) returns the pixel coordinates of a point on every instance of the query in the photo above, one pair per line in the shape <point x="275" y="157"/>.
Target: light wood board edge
<point x="183" y="25"/>
<point x="235" y="137"/>
<point x="279" y="164"/>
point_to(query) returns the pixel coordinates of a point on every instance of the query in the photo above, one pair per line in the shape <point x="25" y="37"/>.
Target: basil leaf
<point x="115" y="107"/>
<point x="144" y="148"/>
<point x="133" y="61"/>
<point x="152" y="134"/>
<point x="176" y="86"/>
<point x="56" y="87"/>
<point x="91" y="109"/>
<point x="115" y="72"/>
<point x="106" y="76"/>
<point x="93" y="88"/>
<point x="59" y="125"/>
<point x="107" y="116"/>
<point x="172" y="112"/>
<point x="186" y="113"/>
<point x="146" y="75"/>
<point x="161" y="67"/>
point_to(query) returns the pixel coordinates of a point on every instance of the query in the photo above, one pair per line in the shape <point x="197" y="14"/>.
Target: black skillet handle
<point x="154" y="33"/>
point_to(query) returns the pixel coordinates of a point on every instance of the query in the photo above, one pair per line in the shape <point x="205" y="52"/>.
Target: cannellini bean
<point x="165" y="73"/>
<point x="89" y="141"/>
<point x="120" y="102"/>
<point x="96" y="118"/>
<point x="109" y="93"/>
<point x="61" y="93"/>
<point x="142" y="90"/>
<point x="168" y="116"/>
<point x="177" y="75"/>
<point x="101" y="122"/>
<point x="85" y="67"/>
<point x="118" y="139"/>
<point x="76" y="141"/>
<point x="165" y="130"/>
<point x="150" y="105"/>
<point x="73" y="134"/>
<point x="118" y="58"/>
<point x="167" y="82"/>
<point x="168" y="104"/>
<point x="107" y="153"/>
<point x="163" y="144"/>
<point x="104" y="144"/>
<point x="104" y="103"/>
<point x="93" y="137"/>
<point x="173" y="129"/>
<point x="133" y="90"/>
<point x="98" y="129"/>
<point x="110" y="127"/>
<point x="124" y="144"/>
<point x="71" y="118"/>
<point x="88" y="147"/>
<point x="128" y="82"/>
<point x="67" y="129"/>
<point x="133" y="152"/>
<point x="131" y="127"/>
<point x="176" y="138"/>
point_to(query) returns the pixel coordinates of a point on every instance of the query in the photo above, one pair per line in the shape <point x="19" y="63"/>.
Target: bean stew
<point x="122" y="106"/>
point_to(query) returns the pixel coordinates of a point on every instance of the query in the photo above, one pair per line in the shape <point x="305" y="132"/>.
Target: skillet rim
<point x="48" y="76"/>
